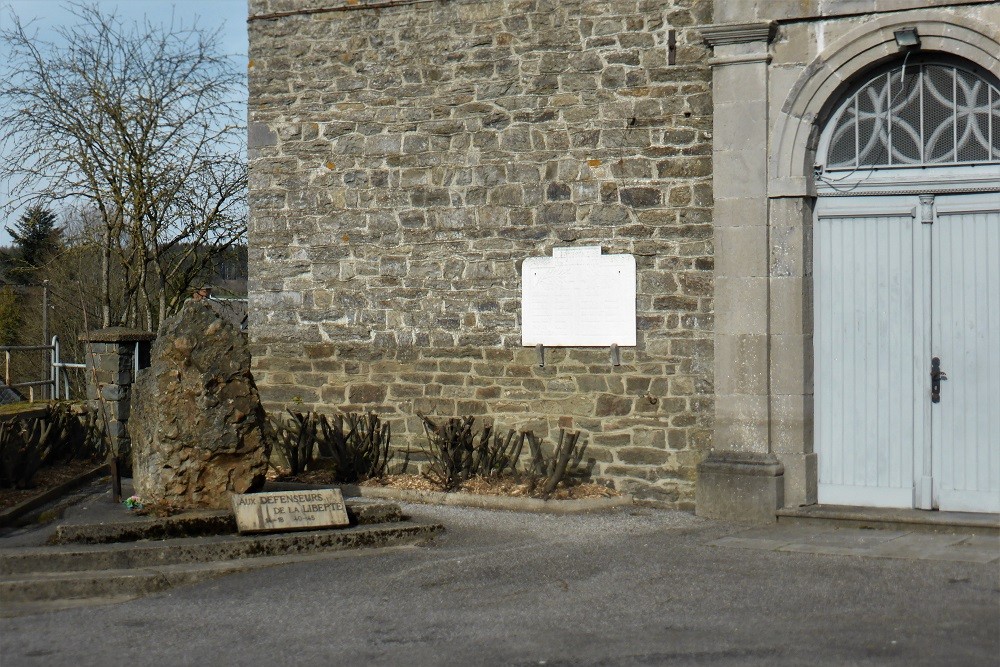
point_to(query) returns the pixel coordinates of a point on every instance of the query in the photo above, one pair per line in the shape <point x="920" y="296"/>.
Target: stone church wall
<point x="407" y="156"/>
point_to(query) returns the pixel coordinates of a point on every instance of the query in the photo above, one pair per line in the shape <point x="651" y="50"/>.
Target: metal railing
<point x="57" y="369"/>
<point x="30" y="386"/>
<point x="59" y="365"/>
<point x="238" y="307"/>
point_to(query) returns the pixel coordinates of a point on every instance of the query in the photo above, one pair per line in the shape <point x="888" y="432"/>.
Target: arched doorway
<point x="906" y="274"/>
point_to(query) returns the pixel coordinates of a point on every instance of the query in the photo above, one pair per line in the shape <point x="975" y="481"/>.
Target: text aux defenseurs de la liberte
<point x="303" y="499"/>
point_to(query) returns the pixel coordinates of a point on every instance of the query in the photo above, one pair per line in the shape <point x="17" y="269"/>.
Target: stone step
<point x="891" y="519"/>
<point x="46" y="591"/>
<point x="66" y="559"/>
<point x="97" y="584"/>
<point x="194" y="524"/>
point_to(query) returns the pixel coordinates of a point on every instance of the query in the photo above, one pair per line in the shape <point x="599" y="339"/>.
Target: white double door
<point x="899" y="281"/>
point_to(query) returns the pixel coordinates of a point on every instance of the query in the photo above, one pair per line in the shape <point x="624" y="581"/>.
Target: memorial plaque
<point x="578" y="297"/>
<point x="281" y="511"/>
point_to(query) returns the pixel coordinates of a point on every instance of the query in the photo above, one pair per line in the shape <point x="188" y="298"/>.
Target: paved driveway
<point x="638" y="587"/>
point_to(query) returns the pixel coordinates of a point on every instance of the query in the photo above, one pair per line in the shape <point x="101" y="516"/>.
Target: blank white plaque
<point x="578" y="298"/>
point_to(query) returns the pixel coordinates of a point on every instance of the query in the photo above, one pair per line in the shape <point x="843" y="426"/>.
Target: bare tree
<point x="144" y="124"/>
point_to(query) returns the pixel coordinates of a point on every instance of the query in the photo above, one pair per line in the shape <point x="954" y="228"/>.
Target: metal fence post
<point x="54" y="368"/>
<point x="45" y="329"/>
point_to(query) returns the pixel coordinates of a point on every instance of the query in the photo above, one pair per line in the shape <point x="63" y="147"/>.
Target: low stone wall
<point x="646" y="423"/>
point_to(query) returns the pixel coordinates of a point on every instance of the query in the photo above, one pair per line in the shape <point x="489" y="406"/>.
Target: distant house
<point x="809" y="191"/>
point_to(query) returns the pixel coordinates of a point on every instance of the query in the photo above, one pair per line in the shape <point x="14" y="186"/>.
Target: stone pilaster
<point x="742" y="277"/>
<point x="740" y="485"/>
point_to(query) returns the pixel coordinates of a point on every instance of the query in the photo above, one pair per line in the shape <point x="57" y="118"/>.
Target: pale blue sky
<point x="230" y="15"/>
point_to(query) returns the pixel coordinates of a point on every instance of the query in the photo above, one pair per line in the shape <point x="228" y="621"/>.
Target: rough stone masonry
<point x="407" y="155"/>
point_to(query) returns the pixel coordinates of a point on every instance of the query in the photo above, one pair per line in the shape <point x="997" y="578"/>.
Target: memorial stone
<point x="197" y="427"/>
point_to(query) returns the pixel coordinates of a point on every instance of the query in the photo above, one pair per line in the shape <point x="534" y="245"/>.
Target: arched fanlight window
<point x="917" y="115"/>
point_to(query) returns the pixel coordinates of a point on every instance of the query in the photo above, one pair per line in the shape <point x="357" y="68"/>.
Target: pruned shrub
<point x="359" y="451"/>
<point x="457" y="452"/>
<point x="295" y="439"/>
<point x="355" y="446"/>
<point x="21" y="451"/>
<point x="546" y="471"/>
<point x="76" y="434"/>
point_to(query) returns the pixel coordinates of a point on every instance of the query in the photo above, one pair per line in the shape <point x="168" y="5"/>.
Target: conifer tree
<point x="35" y="235"/>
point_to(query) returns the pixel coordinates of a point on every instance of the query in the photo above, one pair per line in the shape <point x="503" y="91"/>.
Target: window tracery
<point x="918" y="115"/>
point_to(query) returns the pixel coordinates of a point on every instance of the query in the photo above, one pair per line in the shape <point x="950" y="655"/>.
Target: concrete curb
<point x="512" y="503"/>
<point x="10" y="516"/>
<point x="851" y="516"/>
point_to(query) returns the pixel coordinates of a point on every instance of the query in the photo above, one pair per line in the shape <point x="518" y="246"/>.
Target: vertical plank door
<point x="871" y="336"/>
<point x="966" y="337"/>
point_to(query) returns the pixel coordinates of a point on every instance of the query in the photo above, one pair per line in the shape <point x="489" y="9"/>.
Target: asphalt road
<point x="638" y="587"/>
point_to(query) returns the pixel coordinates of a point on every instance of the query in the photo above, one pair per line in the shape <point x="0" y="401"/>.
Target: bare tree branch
<point x="141" y="122"/>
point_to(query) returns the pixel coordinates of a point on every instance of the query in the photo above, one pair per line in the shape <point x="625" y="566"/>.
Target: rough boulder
<point x="197" y="425"/>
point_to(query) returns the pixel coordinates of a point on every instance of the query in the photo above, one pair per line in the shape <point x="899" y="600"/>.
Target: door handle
<point x="937" y="375"/>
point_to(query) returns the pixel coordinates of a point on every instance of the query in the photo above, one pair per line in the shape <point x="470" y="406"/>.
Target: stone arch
<point x="818" y="88"/>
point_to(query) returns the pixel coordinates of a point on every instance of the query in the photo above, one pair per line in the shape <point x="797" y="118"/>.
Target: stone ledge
<point x="741" y="463"/>
<point x="512" y="503"/>
<point x="195" y="524"/>
<point x="738" y="33"/>
<point x="117" y="335"/>
<point x="23" y="410"/>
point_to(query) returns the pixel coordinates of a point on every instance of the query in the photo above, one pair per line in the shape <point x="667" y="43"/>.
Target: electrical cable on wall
<point x="871" y="168"/>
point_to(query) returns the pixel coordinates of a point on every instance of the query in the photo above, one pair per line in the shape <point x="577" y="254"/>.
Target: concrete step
<point x="134" y="569"/>
<point x="130" y="555"/>
<point x="40" y="592"/>
<point x="891" y="519"/>
<point x="95" y="584"/>
<point x="198" y="523"/>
